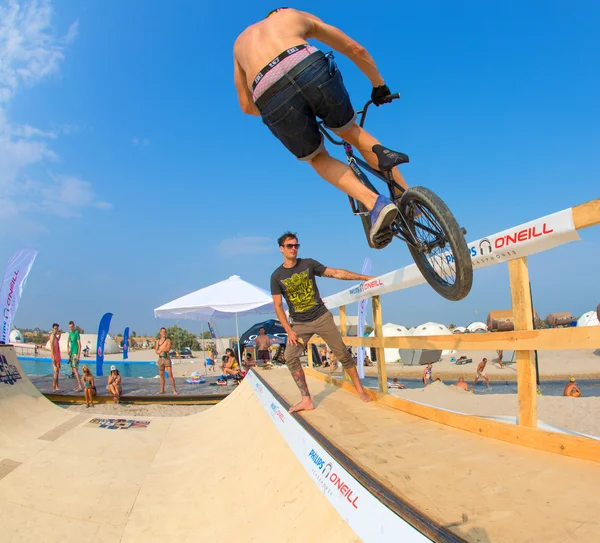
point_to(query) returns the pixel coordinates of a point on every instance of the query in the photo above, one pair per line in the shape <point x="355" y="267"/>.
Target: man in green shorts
<point x="74" y="351"/>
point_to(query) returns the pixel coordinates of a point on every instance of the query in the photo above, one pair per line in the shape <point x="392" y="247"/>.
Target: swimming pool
<point x="33" y="365"/>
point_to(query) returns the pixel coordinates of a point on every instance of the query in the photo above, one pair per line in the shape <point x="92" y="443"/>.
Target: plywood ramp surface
<point x="223" y="475"/>
<point x="482" y="489"/>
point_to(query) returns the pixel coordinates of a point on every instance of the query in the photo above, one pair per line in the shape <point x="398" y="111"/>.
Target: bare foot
<point x="161" y="392"/>
<point x="175" y="393"/>
<point x="306" y="404"/>
<point x="365" y="397"/>
<point x="77" y="390"/>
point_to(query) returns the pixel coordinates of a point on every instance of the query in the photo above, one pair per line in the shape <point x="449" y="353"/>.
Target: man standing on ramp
<point x="295" y="281"/>
<point x="290" y="83"/>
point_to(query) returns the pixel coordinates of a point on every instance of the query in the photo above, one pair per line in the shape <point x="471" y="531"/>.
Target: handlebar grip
<point x="394" y="96"/>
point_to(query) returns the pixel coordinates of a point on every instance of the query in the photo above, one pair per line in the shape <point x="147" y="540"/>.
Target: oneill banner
<point x="126" y="344"/>
<point x="13" y="282"/>
<point x="102" y="333"/>
<point x="362" y="318"/>
<point x="523" y="240"/>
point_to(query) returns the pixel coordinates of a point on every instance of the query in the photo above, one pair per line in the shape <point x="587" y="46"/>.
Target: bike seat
<point x="388" y="158"/>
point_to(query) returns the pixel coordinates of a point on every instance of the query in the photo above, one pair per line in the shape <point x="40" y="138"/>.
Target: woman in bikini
<point x="163" y="347"/>
<point x="427" y="375"/>
<point x="114" y="384"/>
<point x="89" y="390"/>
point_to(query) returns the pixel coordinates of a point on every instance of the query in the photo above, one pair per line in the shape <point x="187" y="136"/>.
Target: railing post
<point x="378" y="327"/>
<point x="343" y="332"/>
<point x="309" y="354"/>
<point x="523" y="320"/>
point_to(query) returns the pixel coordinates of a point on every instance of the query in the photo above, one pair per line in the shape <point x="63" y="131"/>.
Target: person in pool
<point x="114" y="384"/>
<point x="89" y="386"/>
<point x="427" y="378"/>
<point x="572" y="389"/>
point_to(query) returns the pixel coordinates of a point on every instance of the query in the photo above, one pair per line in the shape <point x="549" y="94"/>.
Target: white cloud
<point x="141" y="142"/>
<point x="245" y="245"/>
<point x="30" y="52"/>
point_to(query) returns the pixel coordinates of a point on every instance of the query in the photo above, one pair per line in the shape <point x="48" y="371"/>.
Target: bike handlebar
<point x="362" y="113"/>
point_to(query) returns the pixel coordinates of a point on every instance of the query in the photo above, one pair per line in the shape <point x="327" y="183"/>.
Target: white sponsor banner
<point x="366" y="515"/>
<point x="523" y="240"/>
<point x="11" y="289"/>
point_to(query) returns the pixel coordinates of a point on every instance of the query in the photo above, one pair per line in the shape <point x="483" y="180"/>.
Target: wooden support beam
<point x="343" y="331"/>
<point x="549" y="339"/>
<point x="378" y="327"/>
<point x="586" y="215"/>
<point x="311" y="363"/>
<point x="523" y="319"/>
<point x="553" y="442"/>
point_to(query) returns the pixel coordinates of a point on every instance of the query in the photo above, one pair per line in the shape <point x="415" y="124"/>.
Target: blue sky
<point x="126" y="161"/>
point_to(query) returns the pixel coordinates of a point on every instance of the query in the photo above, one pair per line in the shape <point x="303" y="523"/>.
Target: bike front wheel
<point x="441" y="253"/>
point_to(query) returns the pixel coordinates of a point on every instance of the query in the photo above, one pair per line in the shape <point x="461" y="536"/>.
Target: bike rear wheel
<point x="442" y="256"/>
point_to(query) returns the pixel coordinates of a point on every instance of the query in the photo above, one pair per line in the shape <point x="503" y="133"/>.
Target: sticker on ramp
<point x="9" y="374"/>
<point x="118" y="424"/>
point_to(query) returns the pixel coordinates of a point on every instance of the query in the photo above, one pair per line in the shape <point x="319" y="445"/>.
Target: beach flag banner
<point x="212" y="330"/>
<point x="13" y="282"/>
<point x="126" y="344"/>
<point x="102" y="333"/>
<point x="362" y="319"/>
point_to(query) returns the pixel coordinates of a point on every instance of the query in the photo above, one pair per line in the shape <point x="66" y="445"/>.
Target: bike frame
<point x="400" y="227"/>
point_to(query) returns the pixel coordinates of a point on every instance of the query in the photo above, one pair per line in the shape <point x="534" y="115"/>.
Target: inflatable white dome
<point x="15" y="336"/>
<point x="91" y="341"/>
<point x="588" y="319"/>
<point x="433" y="329"/>
<point x="459" y="330"/>
<point x="392" y="330"/>
<point x="477" y="327"/>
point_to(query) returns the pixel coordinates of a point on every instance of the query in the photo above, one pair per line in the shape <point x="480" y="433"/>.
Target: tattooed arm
<point x="300" y="379"/>
<point x="345" y="275"/>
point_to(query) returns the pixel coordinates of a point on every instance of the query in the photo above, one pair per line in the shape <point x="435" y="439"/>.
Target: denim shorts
<point x="317" y="91"/>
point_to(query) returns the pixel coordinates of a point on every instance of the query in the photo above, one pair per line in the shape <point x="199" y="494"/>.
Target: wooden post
<point x="310" y="355"/>
<point x="343" y="332"/>
<point x="523" y="319"/>
<point x="378" y="327"/>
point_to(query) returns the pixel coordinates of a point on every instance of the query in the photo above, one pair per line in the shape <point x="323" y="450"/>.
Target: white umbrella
<point x="223" y="299"/>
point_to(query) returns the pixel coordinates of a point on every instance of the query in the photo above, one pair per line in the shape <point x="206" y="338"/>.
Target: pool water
<point x="43" y="366"/>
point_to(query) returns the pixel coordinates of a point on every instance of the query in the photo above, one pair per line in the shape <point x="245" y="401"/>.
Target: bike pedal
<point x="382" y="239"/>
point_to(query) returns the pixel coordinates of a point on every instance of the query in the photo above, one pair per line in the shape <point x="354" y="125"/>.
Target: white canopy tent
<point x="459" y="330"/>
<point x="392" y="330"/>
<point x="433" y="329"/>
<point x="588" y="319"/>
<point x="234" y="296"/>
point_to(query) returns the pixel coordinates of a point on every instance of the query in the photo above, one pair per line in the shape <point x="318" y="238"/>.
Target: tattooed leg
<point x="306" y="403"/>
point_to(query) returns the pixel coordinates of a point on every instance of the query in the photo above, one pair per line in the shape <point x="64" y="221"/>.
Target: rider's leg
<point x="341" y="176"/>
<point x="363" y="141"/>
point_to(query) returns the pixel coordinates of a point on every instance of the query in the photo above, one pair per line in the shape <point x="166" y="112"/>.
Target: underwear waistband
<point x="276" y="61"/>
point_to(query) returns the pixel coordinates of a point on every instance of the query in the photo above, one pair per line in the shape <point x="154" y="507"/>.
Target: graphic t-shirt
<point x="299" y="288"/>
<point x="73" y="342"/>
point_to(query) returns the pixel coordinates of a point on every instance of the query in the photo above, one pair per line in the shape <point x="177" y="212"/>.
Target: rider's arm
<point x="334" y="37"/>
<point x="345" y="275"/>
<point x="279" y="311"/>
<point x="244" y="94"/>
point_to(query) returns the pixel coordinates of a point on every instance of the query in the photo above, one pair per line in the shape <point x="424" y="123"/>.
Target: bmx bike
<point x="435" y="240"/>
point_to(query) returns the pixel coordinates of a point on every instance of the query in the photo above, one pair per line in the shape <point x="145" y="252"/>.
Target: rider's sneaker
<point x="382" y="216"/>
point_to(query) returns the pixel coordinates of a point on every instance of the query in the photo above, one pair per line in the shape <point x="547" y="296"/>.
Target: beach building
<point x="91" y="341"/>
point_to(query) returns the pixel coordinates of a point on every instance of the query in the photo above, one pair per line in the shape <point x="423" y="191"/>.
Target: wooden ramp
<point x="483" y="490"/>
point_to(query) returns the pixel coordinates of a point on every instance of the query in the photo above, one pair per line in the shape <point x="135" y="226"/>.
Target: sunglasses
<point x="292" y="246"/>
